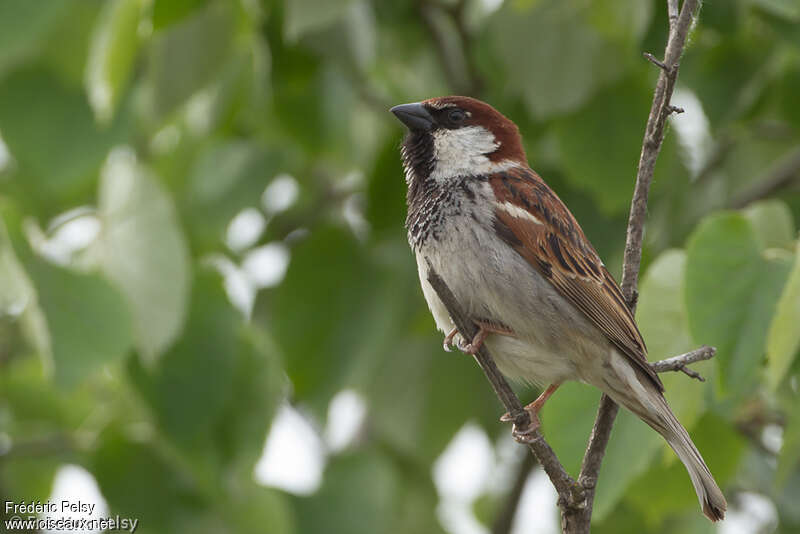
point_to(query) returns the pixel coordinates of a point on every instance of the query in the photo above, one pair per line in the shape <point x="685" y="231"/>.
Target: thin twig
<point x="569" y="493"/>
<point x="679" y="362"/>
<point x="651" y="146"/>
<point x="672" y="13"/>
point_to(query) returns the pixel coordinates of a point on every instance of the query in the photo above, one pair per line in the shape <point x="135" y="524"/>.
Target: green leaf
<point x="87" y="319"/>
<point x="731" y="293"/>
<point x="112" y="52"/>
<point x="15" y="289"/>
<point x="783" y="338"/>
<point x="365" y="482"/>
<point x="137" y="480"/>
<point x="773" y="223"/>
<point x="189" y="55"/>
<point x="553" y="58"/>
<point x="226" y="178"/>
<point x="600" y="144"/>
<point x="576" y="403"/>
<point x="190" y="384"/>
<point x="51" y="134"/>
<point x="259" y="510"/>
<point x="166" y="12"/>
<point x="790" y="450"/>
<point x="143" y="251"/>
<point x="386" y="191"/>
<point x="664" y="324"/>
<point x="421" y="393"/>
<point x="326" y="316"/>
<point x="23" y="27"/>
<point x="304" y="16"/>
<point x="214" y="393"/>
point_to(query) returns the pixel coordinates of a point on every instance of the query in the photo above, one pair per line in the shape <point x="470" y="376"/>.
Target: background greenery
<point x="138" y="341"/>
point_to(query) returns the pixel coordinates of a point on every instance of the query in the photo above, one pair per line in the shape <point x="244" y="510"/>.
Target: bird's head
<point x="457" y="136"/>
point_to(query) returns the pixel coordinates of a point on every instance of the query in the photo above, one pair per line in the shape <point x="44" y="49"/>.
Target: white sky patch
<point x="346" y="413"/>
<point x="293" y="457"/>
<point x="457" y="518"/>
<point x="199" y="112"/>
<point x="73" y="483"/>
<point x="692" y="126"/>
<point x="5" y="155"/>
<point x="71" y="233"/>
<point x="772" y="438"/>
<point x="460" y="475"/>
<point x="245" y="229"/>
<point x="537" y="512"/>
<point x="353" y="213"/>
<point x="280" y="194"/>
<point x="238" y="287"/>
<point x="490" y="6"/>
<point x="266" y="266"/>
<point x="753" y="513"/>
<point x="463" y="468"/>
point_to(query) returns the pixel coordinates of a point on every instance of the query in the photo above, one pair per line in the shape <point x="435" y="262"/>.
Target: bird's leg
<point x="484" y="329"/>
<point x="523" y="435"/>
<point x="448" y="340"/>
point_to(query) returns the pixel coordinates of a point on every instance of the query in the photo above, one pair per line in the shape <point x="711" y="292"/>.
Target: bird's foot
<point x="527" y="433"/>
<point x="484" y="329"/>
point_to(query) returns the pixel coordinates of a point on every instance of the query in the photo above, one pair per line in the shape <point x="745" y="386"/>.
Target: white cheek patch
<point x="520" y="213"/>
<point x="462" y="152"/>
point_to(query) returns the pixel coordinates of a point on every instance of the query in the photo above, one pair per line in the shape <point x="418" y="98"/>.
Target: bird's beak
<point x="414" y="116"/>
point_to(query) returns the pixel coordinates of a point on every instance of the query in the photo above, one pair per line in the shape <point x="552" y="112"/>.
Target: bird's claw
<point x="527" y="434"/>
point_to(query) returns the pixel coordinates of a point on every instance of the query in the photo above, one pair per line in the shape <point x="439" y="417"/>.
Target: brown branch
<point x="651" y="146"/>
<point x="679" y="362"/>
<point x="569" y="493"/>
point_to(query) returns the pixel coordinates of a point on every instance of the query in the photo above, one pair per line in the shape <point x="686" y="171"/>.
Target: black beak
<point x="415" y="116"/>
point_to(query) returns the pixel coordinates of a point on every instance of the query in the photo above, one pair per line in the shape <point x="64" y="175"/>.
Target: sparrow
<point x="519" y="263"/>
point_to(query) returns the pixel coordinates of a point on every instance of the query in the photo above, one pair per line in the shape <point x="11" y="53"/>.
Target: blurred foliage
<point x="137" y="340"/>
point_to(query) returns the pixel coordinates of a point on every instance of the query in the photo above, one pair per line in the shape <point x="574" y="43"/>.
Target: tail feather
<point x="640" y="396"/>
<point x="712" y="501"/>
<point x="711" y="498"/>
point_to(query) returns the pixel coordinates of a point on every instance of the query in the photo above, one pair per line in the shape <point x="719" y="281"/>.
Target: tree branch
<point x="679" y="362"/>
<point x="651" y="146"/>
<point x="569" y="493"/>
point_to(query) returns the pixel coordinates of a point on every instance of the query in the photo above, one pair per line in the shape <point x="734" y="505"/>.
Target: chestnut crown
<point x="460" y="123"/>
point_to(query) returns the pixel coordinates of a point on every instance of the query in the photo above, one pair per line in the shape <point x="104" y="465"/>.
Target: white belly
<point x="491" y="281"/>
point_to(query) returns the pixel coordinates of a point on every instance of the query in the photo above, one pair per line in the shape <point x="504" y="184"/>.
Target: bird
<point x="518" y="262"/>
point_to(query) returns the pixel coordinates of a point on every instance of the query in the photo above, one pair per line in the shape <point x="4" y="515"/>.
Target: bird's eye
<point x="456" y="116"/>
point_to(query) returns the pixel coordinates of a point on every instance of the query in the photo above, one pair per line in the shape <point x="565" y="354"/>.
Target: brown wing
<point x="531" y="218"/>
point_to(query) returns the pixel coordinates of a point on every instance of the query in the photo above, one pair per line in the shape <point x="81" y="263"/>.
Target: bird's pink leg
<point x="484" y="329"/>
<point x="523" y="435"/>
